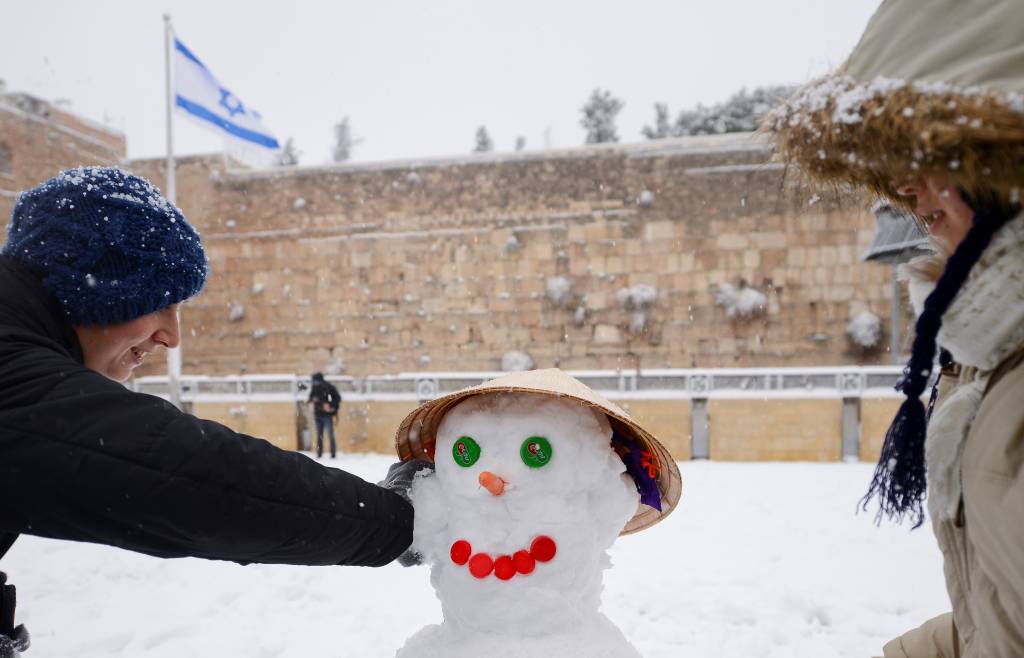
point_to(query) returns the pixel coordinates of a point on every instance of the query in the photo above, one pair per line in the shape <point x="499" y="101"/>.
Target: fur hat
<point x="647" y="460"/>
<point x="933" y="87"/>
<point x="107" y="244"/>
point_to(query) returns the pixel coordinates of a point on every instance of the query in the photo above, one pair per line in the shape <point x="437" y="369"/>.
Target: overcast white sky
<point x="417" y="78"/>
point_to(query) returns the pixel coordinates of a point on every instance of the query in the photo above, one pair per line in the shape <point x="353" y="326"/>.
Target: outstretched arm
<point x="92" y="461"/>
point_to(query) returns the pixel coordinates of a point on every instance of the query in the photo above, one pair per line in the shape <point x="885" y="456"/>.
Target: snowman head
<point x="528" y="454"/>
<point x="495" y="443"/>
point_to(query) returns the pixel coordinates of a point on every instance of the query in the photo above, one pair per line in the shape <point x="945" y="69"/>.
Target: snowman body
<point x="517" y="564"/>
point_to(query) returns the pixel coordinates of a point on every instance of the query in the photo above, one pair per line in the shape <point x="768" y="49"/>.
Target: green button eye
<point x="466" y="451"/>
<point x="535" y="451"/>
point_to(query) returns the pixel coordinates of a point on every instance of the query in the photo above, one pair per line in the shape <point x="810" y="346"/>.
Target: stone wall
<point x="446" y="265"/>
<point x="37" y="140"/>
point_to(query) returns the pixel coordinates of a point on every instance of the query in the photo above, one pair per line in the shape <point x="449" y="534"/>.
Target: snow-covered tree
<point x="662" y="126"/>
<point x="520" y="143"/>
<point x="483" y="141"/>
<point x="343" y="142"/>
<point x="742" y="112"/>
<point x="599" y="114"/>
<point x="288" y="155"/>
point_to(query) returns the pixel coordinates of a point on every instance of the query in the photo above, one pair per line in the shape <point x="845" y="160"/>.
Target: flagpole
<point x="173" y="354"/>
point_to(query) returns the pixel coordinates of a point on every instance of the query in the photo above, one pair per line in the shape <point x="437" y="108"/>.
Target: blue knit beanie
<point x="107" y="244"/>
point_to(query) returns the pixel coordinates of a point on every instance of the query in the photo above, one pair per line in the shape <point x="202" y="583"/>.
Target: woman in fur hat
<point x="928" y="111"/>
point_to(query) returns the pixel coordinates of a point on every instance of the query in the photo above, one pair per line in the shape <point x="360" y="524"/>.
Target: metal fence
<point x="819" y="382"/>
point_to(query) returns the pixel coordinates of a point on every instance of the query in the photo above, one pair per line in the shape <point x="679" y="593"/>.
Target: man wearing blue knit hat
<point x="95" y="265"/>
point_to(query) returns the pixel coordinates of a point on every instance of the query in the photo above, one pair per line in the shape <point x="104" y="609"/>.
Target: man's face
<point x="115" y="350"/>
<point x="938" y="203"/>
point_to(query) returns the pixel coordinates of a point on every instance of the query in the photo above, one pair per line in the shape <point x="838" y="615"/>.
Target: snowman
<point x="536" y="476"/>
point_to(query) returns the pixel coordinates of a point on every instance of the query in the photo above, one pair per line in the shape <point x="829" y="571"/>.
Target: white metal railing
<point x="675" y="383"/>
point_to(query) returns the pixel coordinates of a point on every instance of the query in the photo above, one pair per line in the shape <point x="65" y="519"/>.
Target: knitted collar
<point x="985" y="323"/>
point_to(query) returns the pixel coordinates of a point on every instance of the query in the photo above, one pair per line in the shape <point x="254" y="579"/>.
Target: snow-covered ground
<point x="760" y="559"/>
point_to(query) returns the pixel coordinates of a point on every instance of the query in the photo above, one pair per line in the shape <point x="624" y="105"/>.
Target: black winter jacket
<point x="324" y="392"/>
<point x="84" y="458"/>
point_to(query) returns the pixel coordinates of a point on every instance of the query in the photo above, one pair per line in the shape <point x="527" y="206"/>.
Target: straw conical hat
<point x="417" y="433"/>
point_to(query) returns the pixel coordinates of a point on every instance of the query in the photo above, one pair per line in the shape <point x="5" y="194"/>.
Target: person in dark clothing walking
<point x="326" y="400"/>
<point x="95" y="265"/>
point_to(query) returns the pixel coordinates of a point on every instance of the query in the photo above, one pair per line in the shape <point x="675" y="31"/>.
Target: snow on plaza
<point x="759" y="559"/>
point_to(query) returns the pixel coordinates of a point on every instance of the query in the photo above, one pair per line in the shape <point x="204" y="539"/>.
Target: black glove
<point x="11" y="647"/>
<point x="399" y="480"/>
<point x="13" y="640"/>
<point x="400" y="475"/>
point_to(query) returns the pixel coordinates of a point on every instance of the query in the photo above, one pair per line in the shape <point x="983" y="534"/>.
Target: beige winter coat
<point x="976" y="483"/>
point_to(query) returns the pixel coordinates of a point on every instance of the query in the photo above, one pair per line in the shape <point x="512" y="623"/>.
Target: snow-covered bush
<point x="335" y="366"/>
<point x="637" y="299"/>
<point x="638" y="322"/>
<point x="639" y="296"/>
<point x="559" y="290"/>
<point x="579" y="317"/>
<point x="236" y="312"/>
<point x="865" y="330"/>
<point x="645" y="198"/>
<point x="740" y="303"/>
<point x="515" y="361"/>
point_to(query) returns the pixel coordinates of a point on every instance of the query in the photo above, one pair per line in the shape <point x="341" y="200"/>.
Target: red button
<point x="524" y="562"/>
<point x="481" y="565"/>
<point x="503" y="568"/>
<point x="461" y="550"/>
<point x="543" y="548"/>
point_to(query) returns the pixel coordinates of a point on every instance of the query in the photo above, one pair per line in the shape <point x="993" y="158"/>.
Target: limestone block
<point x="769" y="239"/>
<point x="362" y="259"/>
<point x="596" y="231"/>
<point x="656" y="231"/>
<point x="607" y="334"/>
<point x="732" y="241"/>
<point x="598" y="300"/>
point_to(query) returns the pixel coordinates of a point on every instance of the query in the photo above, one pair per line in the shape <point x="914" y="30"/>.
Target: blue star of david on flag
<point x="230" y="103"/>
<point x="199" y="94"/>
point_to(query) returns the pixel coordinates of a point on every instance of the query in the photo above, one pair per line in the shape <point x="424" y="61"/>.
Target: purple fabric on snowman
<point x="632" y="457"/>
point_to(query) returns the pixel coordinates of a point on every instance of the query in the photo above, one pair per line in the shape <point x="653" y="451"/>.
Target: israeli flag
<point x="198" y="93"/>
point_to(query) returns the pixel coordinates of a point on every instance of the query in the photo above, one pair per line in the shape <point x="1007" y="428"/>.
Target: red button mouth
<point x="504" y="567"/>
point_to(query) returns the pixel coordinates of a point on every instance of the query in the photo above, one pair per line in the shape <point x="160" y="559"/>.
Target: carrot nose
<point x="492" y="483"/>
